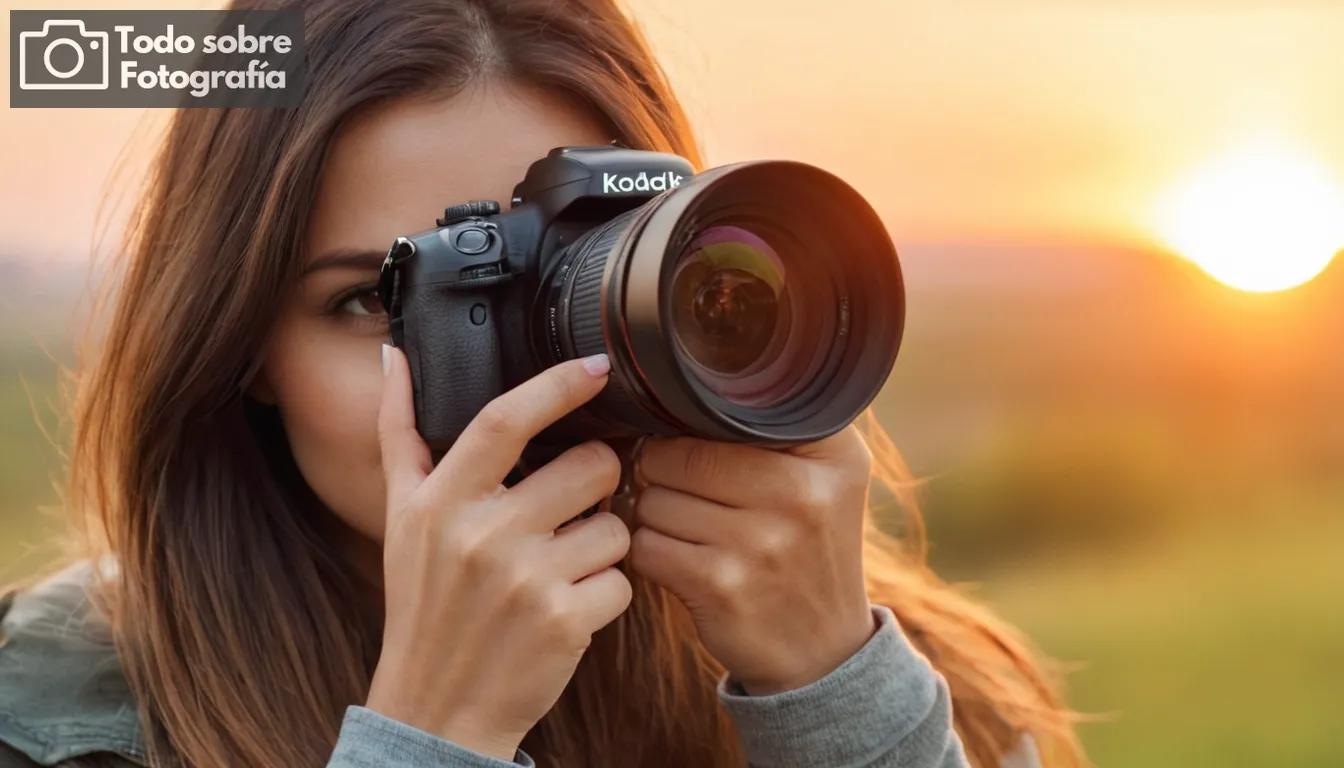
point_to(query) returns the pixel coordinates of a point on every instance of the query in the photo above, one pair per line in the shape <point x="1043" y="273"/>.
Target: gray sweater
<point x="62" y="696"/>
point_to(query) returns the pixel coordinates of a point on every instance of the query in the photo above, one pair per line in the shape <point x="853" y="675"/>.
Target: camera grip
<point x="453" y="348"/>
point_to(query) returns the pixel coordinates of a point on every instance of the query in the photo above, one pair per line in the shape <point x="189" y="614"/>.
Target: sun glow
<point x="1262" y="219"/>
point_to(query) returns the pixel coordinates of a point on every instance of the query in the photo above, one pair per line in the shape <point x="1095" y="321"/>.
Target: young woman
<point x="280" y="576"/>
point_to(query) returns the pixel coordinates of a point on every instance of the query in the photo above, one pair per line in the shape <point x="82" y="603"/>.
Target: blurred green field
<point x="1141" y="496"/>
<point x="1214" y="649"/>
<point x="29" y="459"/>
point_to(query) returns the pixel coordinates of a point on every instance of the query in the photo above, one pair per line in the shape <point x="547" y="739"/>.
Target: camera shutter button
<point x="473" y="240"/>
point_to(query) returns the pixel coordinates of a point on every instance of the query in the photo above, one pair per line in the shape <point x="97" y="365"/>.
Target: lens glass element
<point x="731" y="313"/>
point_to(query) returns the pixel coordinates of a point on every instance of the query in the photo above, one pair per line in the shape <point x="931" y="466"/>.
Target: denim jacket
<point x="63" y="696"/>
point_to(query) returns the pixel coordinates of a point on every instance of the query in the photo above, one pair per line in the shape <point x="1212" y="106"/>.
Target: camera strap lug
<point x="400" y="251"/>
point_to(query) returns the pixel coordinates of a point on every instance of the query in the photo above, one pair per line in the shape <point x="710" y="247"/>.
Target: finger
<point x="588" y="546"/>
<point x="669" y="562"/>
<point x="732" y="474"/>
<point x="406" y="459"/>
<point x="686" y="517"/>
<point x="574" y="481"/>
<point x="493" y="441"/>
<point x="602" y="597"/>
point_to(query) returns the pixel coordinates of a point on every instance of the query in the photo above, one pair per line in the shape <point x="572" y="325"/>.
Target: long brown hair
<point x="230" y="608"/>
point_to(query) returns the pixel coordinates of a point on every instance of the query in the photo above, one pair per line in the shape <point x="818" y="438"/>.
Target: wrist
<point x="463" y="729"/>
<point x="823" y="659"/>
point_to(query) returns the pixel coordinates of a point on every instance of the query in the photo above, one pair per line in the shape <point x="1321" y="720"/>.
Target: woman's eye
<point x="362" y="303"/>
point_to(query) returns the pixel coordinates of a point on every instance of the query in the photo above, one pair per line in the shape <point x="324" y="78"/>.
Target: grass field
<point x="29" y="460"/>
<point x="1217" y="648"/>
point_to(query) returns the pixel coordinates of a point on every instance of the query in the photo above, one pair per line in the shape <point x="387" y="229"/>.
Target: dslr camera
<point x="760" y="302"/>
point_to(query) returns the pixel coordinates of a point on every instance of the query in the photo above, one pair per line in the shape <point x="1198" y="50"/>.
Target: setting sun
<point x="1262" y="219"/>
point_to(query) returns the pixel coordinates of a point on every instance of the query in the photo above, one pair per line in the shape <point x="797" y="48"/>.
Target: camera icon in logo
<point x="63" y="57"/>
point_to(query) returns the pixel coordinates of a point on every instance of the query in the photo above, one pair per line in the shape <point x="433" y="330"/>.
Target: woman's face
<point x="391" y="172"/>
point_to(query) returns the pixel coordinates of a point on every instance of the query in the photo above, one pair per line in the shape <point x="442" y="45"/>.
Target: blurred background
<point x="1123" y="379"/>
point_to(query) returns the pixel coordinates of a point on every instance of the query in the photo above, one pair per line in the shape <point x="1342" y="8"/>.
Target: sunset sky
<point x="989" y="121"/>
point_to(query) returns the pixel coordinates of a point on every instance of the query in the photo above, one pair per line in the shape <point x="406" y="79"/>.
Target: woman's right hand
<point x="488" y="606"/>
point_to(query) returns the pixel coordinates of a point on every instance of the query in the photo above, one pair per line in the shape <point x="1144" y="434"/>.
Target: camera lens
<point x="760" y="302"/>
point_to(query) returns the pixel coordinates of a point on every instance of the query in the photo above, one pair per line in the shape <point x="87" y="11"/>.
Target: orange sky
<point x="998" y="121"/>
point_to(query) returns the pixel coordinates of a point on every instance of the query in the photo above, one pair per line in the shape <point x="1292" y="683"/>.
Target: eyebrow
<point x="346" y="258"/>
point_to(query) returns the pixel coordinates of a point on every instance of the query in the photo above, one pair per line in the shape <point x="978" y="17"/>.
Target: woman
<point x="245" y="454"/>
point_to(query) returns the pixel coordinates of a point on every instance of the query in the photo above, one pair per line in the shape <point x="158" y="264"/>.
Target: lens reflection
<point x="726" y="305"/>
<point x="732" y="316"/>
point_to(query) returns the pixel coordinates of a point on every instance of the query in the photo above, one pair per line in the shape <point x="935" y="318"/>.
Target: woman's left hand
<point x="765" y="549"/>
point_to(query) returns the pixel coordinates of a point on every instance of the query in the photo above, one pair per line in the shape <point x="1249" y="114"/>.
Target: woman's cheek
<point x="328" y="391"/>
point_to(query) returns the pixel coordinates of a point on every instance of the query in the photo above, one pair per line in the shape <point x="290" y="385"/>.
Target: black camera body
<point x="476" y="280"/>
<point x="756" y="302"/>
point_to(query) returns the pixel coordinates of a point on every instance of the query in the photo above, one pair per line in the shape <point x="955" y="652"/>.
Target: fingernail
<point x="387" y="359"/>
<point x="598" y="365"/>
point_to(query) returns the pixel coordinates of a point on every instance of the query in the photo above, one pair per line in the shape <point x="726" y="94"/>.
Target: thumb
<point x="406" y="459"/>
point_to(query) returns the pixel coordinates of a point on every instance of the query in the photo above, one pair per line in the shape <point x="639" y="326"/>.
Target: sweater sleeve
<point x="885" y="707"/>
<point x="371" y="740"/>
